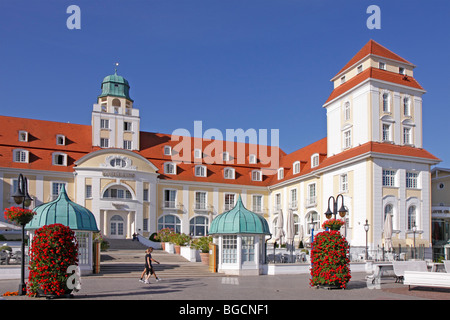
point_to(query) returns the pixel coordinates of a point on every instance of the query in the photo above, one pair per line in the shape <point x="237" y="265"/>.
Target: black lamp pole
<point x="21" y="196"/>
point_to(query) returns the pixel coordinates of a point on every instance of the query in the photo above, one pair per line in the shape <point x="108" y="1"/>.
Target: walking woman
<point x="148" y="271"/>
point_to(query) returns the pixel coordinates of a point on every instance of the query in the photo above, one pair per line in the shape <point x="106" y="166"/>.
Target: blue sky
<point x="262" y="64"/>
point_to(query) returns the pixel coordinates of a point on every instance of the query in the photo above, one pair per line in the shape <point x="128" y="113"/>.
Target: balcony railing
<point x="311" y="201"/>
<point x="293" y="205"/>
<point x="170" y="205"/>
<point x="202" y="206"/>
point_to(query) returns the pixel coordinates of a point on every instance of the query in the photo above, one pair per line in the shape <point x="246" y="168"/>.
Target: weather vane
<point x="115" y="69"/>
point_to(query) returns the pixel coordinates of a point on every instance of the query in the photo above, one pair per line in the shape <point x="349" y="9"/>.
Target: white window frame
<point x="252" y="159"/>
<point x="277" y="201"/>
<point x="412" y="180"/>
<point x="347" y="113"/>
<point x="127" y="144"/>
<point x="257" y="207"/>
<point x="407" y="136"/>
<point x="382" y="65"/>
<point x="21" y="156"/>
<point x="169" y="202"/>
<point x="388" y="178"/>
<point x="127" y="126"/>
<point x="293" y="198"/>
<point x="256" y="175"/>
<point x="23" y="136"/>
<point x="314" y="160"/>
<point x="343" y="182"/>
<point x="199" y="205"/>
<point x="229" y="173"/>
<point x="167" y="150"/>
<point x="104" y="143"/>
<point x="228" y="206"/>
<point x="197" y="153"/>
<point x="168" y="165"/>
<point x="296" y="166"/>
<point x="347" y="137"/>
<point x="386" y="135"/>
<point x="55" y="156"/>
<point x="311" y="197"/>
<point x="60" y="140"/>
<point x="200" y="171"/>
<point x="402" y="70"/>
<point x="280" y="173"/>
<point x="104" y="123"/>
<point x="88" y="191"/>
<point x="406" y="101"/>
<point x="359" y="68"/>
<point x="56" y="186"/>
<point x="225" y="156"/>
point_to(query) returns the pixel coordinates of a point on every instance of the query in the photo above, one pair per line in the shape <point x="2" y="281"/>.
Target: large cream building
<point x="137" y="182"/>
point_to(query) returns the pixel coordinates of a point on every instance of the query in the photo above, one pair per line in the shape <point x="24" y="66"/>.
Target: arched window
<point x="116" y="102"/>
<point x="411" y="217"/>
<point x="170" y="221"/>
<point x="198" y="226"/>
<point x="117" y="192"/>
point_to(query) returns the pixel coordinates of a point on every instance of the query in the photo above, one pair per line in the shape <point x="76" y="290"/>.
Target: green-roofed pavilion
<point x="239" y="235"/>
<point x="239" y="220"/>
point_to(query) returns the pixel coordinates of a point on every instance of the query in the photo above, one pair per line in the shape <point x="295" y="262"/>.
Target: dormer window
<point x="197" y="153"/>
<point x="167" y="150"/>
<point x="252" y="159"/>
<point x="228" y="173"/>
<point x="20" y="155"/>
<point x="280" y="173"/>
<point x="342" y="79"/>
<point x="60" y="140"/>
<point x="170" y="168"/>
<point x="59" y="159"/>
<point x="200" y="171"/>
<point x="382" y="65"/>
<point x="314" y="160"/>
<point x="23" y="136"/>
<point x="401" y="70"/>
<point x="226" y="156"/>
<point x="296" y="166"/>
<point x="256" y="175"/>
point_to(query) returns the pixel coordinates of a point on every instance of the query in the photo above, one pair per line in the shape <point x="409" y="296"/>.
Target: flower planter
<point x="204" y="257"/>
<point x="177" y="248"/>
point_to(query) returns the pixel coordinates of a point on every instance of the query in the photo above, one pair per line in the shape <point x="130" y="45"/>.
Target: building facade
<point x="140" y="182"/>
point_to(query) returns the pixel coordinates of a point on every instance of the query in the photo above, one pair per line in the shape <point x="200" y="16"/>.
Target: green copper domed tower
<point x="115" y="86"/>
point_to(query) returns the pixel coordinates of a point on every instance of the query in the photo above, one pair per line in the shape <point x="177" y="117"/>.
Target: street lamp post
<point x="21" y="196"/>
<point x="342" y="211"/>
<point x="414" y="228"/>
<point x="366" y="229"/>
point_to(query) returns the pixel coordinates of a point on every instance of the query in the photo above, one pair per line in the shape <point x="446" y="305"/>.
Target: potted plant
<point x="53" y="250"/>
<point x="333" y="224"/>
<point x="164" y="235"/>
<point x="19" y="215"/>
<point x="202" y="244"/>
<point x="330" y="262"/>
<point x="180" y="239"/>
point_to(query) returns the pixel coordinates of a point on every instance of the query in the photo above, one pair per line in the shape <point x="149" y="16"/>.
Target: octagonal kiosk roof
<point x="63" y="211"/>
<point x="239" y="220"/>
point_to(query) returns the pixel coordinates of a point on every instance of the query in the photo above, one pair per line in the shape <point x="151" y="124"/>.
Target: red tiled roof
<point x="378" y="74"/>
<point x="42" y="143"/>
<point x="373" y="48"/>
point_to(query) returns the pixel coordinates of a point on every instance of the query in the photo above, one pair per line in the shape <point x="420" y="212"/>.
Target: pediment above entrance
<point x="115" y="160"/>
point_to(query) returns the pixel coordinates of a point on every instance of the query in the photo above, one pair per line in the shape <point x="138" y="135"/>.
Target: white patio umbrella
<point x="8" y="226"/>
<point x="290" y="231"/>
<point x="388" y="232"/>
<point x="279" y="230"/>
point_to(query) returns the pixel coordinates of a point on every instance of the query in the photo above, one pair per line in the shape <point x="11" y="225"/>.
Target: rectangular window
<point x="127" y="144"/>
<point x="248" y="248"/>
<point x="20" y="156"/>
<point x="411" y="180"/>
<point x="197" y="154"/>
<point x="170" y="197"/>
<point x="386" y="132"/>
<point x="88" y="192"/>
<point x="229" y="201"/>
<point x="311" y="200"/>
<point x="296" y="167"/>
<point x="127" y="126"/>
<point x="200" y="200"/>
<point x="56" y="188"/>
<point x="145" y="195"/>
<point x="277" y="201"/>
<point x="104" y="124"/>
<point x="388" y="178"/>
<point x="293" y="199"/>
<point x="347" y="139"/>
<point x="229" y="249"/>
<point x="406" y="107"/>
<point x="360" y="68"/>
<point x="382" y="65"/>
<point x="167" y="151"/>
<point x="256" y="175"/>
<point x="407" y="136"/>
<point x="257" y="203"/>
<point x="401" y="70"/>
<point x="23" y="136"/>
<point x="200" y="171"/>
<point x="104" y="143"/>
<point x="344" y="183"/>
<point x="280" y="173"/>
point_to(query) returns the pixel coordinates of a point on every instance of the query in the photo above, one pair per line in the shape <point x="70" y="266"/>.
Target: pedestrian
<point x="148" y="271"/>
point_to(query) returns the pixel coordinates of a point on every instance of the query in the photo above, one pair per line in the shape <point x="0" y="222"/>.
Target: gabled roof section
<point x="372" y="48"/>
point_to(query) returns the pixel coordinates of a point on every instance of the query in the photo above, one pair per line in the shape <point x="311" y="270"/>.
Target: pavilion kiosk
<point x="76" y="217"/>
<point x="240" y="238"/>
